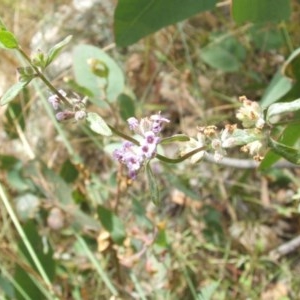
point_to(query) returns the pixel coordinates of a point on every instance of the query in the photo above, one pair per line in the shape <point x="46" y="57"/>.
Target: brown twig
<point x="285" y="248"/>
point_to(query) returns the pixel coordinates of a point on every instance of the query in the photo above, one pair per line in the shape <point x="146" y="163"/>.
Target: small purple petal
<point x="133" y="123"/>
<point x="64" y="115"/>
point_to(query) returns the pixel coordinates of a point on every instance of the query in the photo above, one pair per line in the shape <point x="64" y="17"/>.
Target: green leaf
<point x="219" y="58"/>
<point x="175" y="138"/>
<point x="13" y="91"/>
<point x="291" y="67"/>
<point x="288" y="137"/>
<point x="45" y="255"/>
<point x="112" y="224"/>
<point x="8" y="40"/>
<point x="55" y="50"/>
<point x="265" y="38"/>
<point x="68" y="171"/>
<point x="7" y="162"/>
<point x="134" y="19"/>
<point x="6" y="287"/>
<point x="113" y="85"/>
<point x="277" y="88"/>
<point x="289" y="153"/>
<point x="127" y="108"/>
<point x="97" y="124"/>
<point x="260" y="11"/>
<point x="153" y="186"/>
<point x="161" y="238"/>
<point x="278" y="109"/>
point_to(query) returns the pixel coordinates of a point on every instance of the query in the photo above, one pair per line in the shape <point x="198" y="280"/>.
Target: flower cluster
<point x="78" y="107"/>
<point x="250" y="137"/>
<point x="250" y="113"/>
<point x="133" y="155"/>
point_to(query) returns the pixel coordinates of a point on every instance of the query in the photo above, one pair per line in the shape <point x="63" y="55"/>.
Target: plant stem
<point x="25" y="240"/>
<point x="43" y="78"/>
<point x="114" y="130"/>
<point x="286" y="37"/>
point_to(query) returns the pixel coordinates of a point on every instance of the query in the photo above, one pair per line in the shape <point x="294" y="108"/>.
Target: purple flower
<point x="133" y="123"/>
<point x="54" y="99"/>
<point x="64" y="115"/>
<point x="135" y="156"/>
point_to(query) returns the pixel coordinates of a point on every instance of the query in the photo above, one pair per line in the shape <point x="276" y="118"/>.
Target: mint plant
<point x="265" y="131"/>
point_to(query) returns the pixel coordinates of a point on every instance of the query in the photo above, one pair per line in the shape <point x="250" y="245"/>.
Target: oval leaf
<point x="127" y="108"/>
<point x="134" y="19"/>
<point x="220" y="58"/>
<point x="288" y="137"/>
<point x="113" y="84"/>
<point x="112" y="224"/>
<point x="8" y="40"/>
<point x="289" y="153"/>
<point x="97" y="124"/>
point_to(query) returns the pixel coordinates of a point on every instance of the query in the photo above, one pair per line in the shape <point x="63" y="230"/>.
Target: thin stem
<point x="286" y="37"/>
<point x="114" y="130"/>
<point x="25" y="240"/>
<point x="158" y="156"/>
<point x="43" y="78"/>
<point x="97" y="265"/>
<point x="179" y="159"/>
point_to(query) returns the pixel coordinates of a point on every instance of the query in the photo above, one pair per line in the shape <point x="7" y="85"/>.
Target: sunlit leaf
<point x="161" y="238"/>
<point x="8" y="40"/>
<point x="97" y="124"/>
<point x="134" y="19"/>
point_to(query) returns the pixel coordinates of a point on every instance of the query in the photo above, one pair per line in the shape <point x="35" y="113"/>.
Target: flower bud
<point x="79" y="115"/>
<point x="64" y="115"/>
